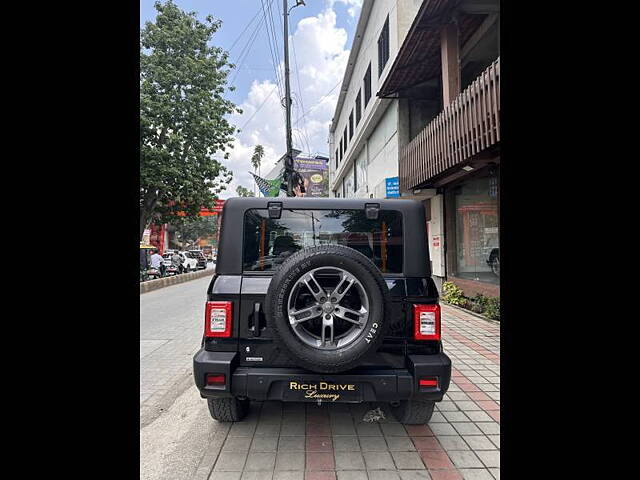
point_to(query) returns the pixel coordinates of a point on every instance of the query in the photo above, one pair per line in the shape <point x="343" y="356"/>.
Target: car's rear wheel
<point x="228" y="409"/>
<point x="414" y="412"/>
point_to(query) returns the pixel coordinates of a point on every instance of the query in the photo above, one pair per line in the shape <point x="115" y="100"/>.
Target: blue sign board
<point x="393" y="187"/>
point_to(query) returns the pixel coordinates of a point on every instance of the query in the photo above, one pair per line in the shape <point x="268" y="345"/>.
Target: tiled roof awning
<point x="418" y="59"/>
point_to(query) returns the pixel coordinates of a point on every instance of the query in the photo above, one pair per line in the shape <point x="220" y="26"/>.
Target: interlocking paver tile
<point x="316" y="475"/>
<point x="419" y="430"/>
<point x="455" y="416"/>
<point x="319" y="444"/>
<point x="368" y="429"/>
<point x="453" y="442"/>
<point x="318" y="429"/>
<point x="393" y="429"/>
<point x="237" y="444"/>
<point x="400" y="444"/>
<point x="479" y="442"/>
<point x="288" y="475"/>
<point x="349" y="461"/>
<point x="407" y="460"/>
<point x="434" y="459"/>
<point x="383" y="475"/>
<point x="448" y="474"/>
<point x="466" y="428"/>
<point x="294" y="428"/>
<point x="264" y="444"/>
<point x="495" y="472"/>
<point x="443" y="429"/>
<point x="344" y="428"/>
<point x="347" y="443"/>
<point x="290" y="461"/>
<point x="230" y="462"/>
<point x="352" y="475"/>
<point x="489" y="428"/>
<point x="372" y="444"/>
<point x="260" y="461"/>
<point x="291" y="444"/>
<point x="414" y="475"/>
<point x="479" y="416"/>
<point x="242" y="429"/>
<point x="426" y="443"/>
<point x="475" y="474"/>
<point x="495" y="439"/>
<point x="378" y="461"/>
<point x="465" y="459"/>
<point x="490" y="458"/>
<point x="320" y="461"/>
<point x="257" y="475"/>
<point x="268" y="429"/>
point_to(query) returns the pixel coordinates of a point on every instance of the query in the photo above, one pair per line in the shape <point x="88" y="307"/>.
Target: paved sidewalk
<point x="297" y="441"/>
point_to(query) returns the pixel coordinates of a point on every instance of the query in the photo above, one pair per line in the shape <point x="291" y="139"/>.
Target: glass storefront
<point x="477" y="240"/>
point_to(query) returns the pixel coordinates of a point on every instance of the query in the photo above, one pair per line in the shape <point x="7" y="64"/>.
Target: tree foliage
<point x="244" y="192"/>
<point x="182" y="115"/>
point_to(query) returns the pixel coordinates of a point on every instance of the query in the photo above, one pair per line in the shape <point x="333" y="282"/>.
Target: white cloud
<point x="321" y="60"/>
<point x="354" y="5"/>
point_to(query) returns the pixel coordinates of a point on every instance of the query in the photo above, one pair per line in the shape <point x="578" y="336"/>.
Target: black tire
<point x="228" y="409"/>
<point x="349" y="356"/>
<point x="188" y="269"/>
<point x="414" y="412"/>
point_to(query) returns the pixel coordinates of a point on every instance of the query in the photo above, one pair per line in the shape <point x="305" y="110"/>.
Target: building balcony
<point x="466" y="128"/>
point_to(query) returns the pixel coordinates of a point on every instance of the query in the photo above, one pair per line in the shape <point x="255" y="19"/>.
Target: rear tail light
<point x="217" y="319"/>
<point x="426" y="322"/>
<point x="428" y="382"/>
<point x="216" y="379"/>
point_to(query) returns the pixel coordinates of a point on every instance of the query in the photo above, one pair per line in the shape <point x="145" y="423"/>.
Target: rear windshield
<point x="268" y="242"/>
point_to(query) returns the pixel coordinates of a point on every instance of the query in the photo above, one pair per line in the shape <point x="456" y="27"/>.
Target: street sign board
<point x="392" y="187"/>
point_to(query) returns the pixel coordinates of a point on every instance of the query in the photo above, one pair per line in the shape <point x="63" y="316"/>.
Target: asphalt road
<point x="175" y="426"/>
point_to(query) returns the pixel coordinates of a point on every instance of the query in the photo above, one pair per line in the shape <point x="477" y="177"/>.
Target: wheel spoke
<point x="313" y="310"/>
<point x="327" y="324"/>
<point x="320" y="293"/>
<point x="361" y="314"/>
<point x="336" y="291"/>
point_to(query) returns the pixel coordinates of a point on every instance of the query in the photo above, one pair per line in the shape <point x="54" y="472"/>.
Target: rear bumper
<point x="260" y="383"/>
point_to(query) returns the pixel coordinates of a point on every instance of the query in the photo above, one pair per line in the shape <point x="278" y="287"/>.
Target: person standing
<point x="156" y="262"/>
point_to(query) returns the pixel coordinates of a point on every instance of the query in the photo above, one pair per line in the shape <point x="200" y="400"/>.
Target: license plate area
<point x="296" y="390"/>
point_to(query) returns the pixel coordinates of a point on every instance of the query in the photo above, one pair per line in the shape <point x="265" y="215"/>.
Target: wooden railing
<point x="469" y="125"/>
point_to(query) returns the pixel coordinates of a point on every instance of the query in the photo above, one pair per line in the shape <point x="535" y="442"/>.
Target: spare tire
<point x="328" y="307"/>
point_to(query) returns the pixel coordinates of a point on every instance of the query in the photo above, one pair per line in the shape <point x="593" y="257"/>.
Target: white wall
<point x="436" y="236"/>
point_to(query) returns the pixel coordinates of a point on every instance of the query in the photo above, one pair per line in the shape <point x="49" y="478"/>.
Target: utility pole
<point x="288" y="159"/>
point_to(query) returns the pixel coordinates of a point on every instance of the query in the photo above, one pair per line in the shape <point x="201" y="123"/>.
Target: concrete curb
<point x="150" y="285"/>
<point x="482" y="317"/>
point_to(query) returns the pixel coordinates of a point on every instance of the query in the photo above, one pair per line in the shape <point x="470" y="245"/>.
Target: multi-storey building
<point x="420" y="100"/>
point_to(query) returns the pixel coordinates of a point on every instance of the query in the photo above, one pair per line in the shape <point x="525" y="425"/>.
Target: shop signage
<point x="392" y="187"/>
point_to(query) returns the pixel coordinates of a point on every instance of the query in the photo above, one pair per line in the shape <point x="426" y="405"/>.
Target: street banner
<point x="315" y="175"/>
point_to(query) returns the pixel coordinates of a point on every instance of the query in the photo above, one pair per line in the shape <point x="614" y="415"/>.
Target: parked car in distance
<point x="201" y="259"/>
<point x="190" y="263"/>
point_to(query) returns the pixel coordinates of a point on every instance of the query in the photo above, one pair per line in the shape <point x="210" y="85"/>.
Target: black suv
<point x="322" y="300"/>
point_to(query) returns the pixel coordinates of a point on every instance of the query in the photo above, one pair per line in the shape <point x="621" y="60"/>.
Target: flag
<point x="268" y="188"/>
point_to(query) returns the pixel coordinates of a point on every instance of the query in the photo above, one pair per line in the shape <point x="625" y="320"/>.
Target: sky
<point x="320" y="36"/>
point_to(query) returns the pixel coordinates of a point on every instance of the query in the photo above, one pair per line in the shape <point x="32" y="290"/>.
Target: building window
<point x="367" y="86"/>
<point x="358" y="108"/>
<point x="346" y="141"/>
<point x="351" y="125"/>
<point x="340" y="151"/>
<point x="477" y="230"/>
<point x="355" y="176"/>
<point x="383" y="47"/>
<point x="336" y="158"/>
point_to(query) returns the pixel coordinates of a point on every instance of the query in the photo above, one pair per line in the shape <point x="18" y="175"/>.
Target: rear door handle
<point x="256" y="320"/>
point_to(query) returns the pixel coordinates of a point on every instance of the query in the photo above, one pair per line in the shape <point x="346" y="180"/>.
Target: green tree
<point x="192" y="229"/>
<point x="256" y="159"/>
<point x="182" y="115"/>
<point x="244" y="192"/>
